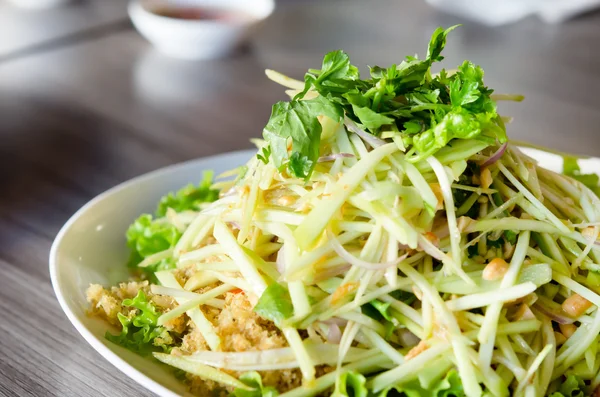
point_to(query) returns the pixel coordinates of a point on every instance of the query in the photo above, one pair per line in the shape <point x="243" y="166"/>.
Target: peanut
<point x="437" y="190"/>
<point x="495" y="270"/>
<point x="575" y="305"/>
<point x="560" y="338"/>
<point x="343" y="291"/>
<point x="567" y="329"/>
<point x="486" y="178"/>
<point x="589" y="233"/>
<point x="285" y="201"/>
<point x="435" y="240"/>
<point x="464" y="222"/>
<point x="523" y="313"/>
<point x="415" y="351"/>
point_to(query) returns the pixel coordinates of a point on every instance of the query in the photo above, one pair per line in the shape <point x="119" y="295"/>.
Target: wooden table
<point x="89" y="104"/>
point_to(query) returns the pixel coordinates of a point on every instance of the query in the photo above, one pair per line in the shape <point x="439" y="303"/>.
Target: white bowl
<point x="91" y="248"/>
<point x="39" y="4"/>
<point x="197" y="39"/>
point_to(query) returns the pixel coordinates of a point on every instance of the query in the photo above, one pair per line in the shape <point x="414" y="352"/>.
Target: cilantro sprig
<point x="426" y="111"/>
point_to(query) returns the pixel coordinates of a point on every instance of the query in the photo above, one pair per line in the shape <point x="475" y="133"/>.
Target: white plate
<point x="90" y="248"/>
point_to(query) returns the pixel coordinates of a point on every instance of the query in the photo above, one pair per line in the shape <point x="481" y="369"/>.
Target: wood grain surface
<point x="96" y="107"/>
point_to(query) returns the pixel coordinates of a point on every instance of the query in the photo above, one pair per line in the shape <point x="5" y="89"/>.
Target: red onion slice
<point x="354" y="261"/>
<point x="280" y="262"/>
<point x="496" y="156"/>
<point x="334" y="156"/>
<point x="559" y="318"/>
<point x="334" y="335"/>
<point x="340" y="322"/>
<point x="371" y="139"/>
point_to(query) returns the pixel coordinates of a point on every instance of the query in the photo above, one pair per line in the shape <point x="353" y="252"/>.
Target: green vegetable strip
<point x="465" y="367"/>
<point x="235" y="251"/>
<point x="412" y="367"/>
<point x="249" y="209"/>
<point x="534" y="367"/>
<point x="455" y="236"/>
<point x="383" y="346"/>
<point x="316" y="221"/>
<point x="299" y="298"/>
<point x="487" y="333"/>
<point x="200" y="254"/>
<point x="473" y="301"/>
<point x="396" y="226"/>
<point x="419" y="182"/>
<point x="545" y="374"/>
<point x="511" y="223"/>
<point x="199" y="228"/>
<point x="205" y="327"/>
<point x="201" y="370"/>
<point x="568" y="357"/>
<point x="324" y="382"/>
<point x="185" y="305"/>
<point x="155" y="258"/>
<point x="549" y="215"/>
<point x="306" y="365"/>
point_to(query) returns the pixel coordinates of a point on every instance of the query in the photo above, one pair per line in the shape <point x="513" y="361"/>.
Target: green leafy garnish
<point x="275" y="304"/>
<point x="449" y="386"/>
<point x="140" y="333"/>
<point x="573" y="386"/>
<point x="147" y="236"/>
<point x="189" y="197"/>
<point x="571" y="168"/>
<point x="254" y="380"/>
<point x="297" y="121"/>
<point x="351" y="384"/>
<point x="426" y="111"/>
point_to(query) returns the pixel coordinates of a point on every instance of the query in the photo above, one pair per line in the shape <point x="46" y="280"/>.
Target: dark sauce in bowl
<point x="203" y="14"/>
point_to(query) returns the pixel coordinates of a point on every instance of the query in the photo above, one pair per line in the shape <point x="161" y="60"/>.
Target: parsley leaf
<point x="371" y="119"/>
<point x="297" y="121"/>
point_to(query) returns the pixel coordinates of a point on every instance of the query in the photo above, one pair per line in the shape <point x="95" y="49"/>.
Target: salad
<point x="386" y="240"/>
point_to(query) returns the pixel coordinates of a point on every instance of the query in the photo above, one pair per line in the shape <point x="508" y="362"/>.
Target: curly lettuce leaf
<point x="254" y="380"/>
<point x="449" y="386"/>
<point x="147" y="236"/>
<point x="350" y="384"/>
<point x="573" y="386"/>
<point x="140" y="333"/>
<point x="189" y="197"/>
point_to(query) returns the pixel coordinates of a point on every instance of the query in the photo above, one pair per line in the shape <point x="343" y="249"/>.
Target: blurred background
<point x="86" y="102"/>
